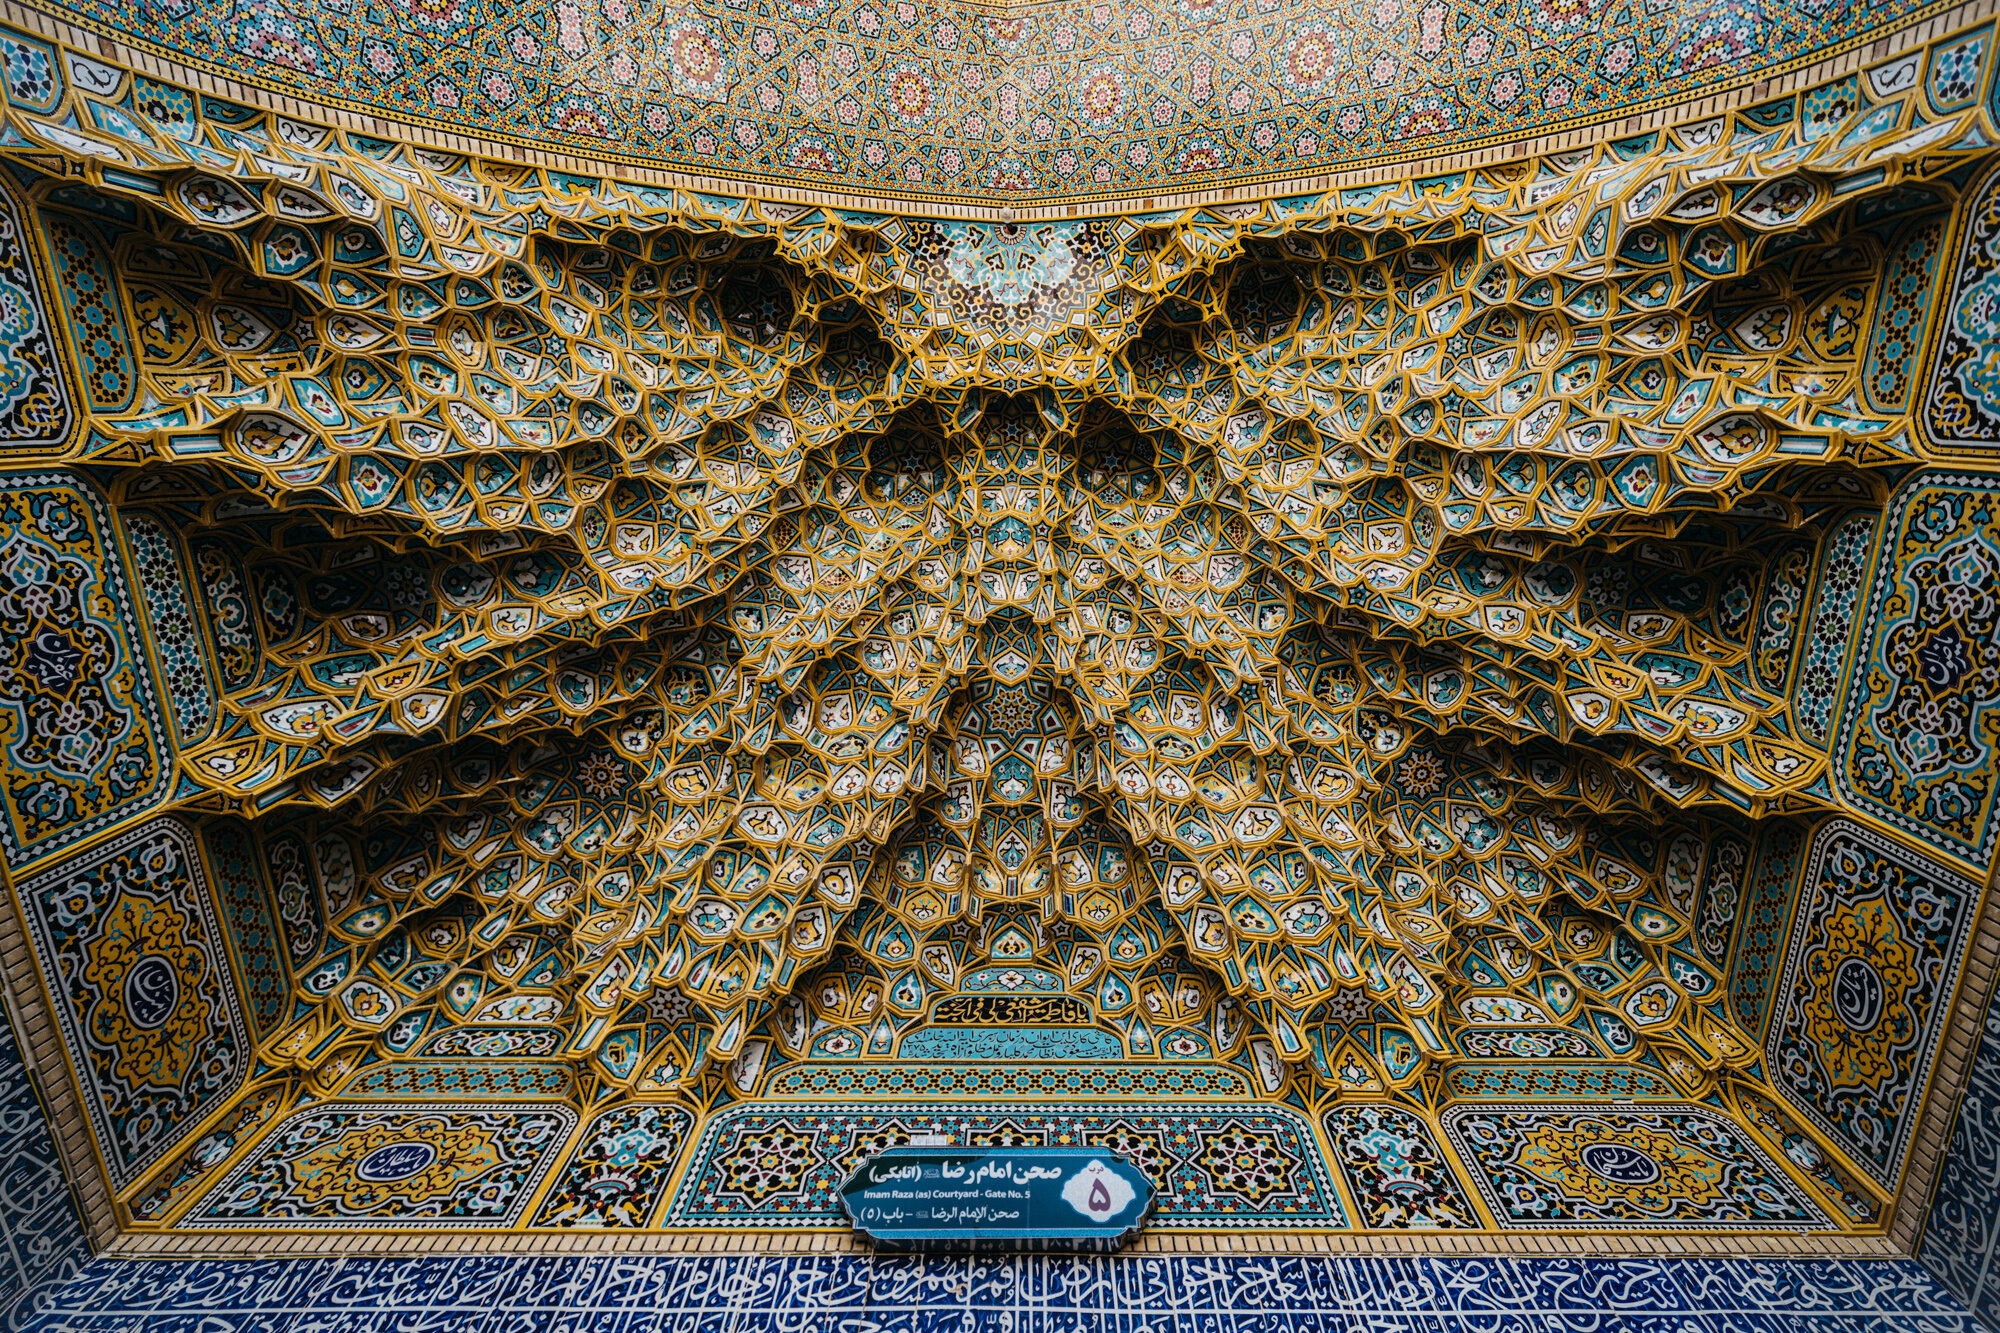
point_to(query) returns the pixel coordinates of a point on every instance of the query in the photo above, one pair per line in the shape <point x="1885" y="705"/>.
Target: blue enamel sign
<point x="921" y="1198"/>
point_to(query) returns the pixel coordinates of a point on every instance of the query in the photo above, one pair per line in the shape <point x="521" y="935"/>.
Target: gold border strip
<point x="246" y="1245"/>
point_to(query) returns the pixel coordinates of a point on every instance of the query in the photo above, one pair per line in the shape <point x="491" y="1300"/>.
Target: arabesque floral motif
<point x="128" y="941"/>
<point x="1858" y="1039"/>
<point x="149" y="974"/>
<point x="332" y="1171"/>
<point x="1396" y="1172"/>
<point x="1550" y="1166"/>
<point x="1660" y="1172"/>
<point x="1918" y="738"/>
<point x="1872" y="964"/>
<point x="359" y="1163"/>
<point x="622" y="1166"/>
<point x="85" y="741"/>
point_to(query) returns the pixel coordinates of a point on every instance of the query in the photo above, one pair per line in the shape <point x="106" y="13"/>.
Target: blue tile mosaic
<point x="1132" y="1294"/>
<point x="41" y="1239"/>
<point x="1962" y="1231"/>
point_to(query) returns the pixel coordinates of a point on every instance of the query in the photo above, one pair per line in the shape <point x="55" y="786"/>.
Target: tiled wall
<point x="743" y="1294"/>
<point x="41" y="1240"/>
<point x="1961" y="1241"/>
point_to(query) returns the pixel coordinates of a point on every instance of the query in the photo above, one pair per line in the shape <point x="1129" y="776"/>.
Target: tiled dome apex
<point x="956" y="104"/>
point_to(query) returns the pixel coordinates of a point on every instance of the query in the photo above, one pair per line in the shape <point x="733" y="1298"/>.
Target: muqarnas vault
<point x="536" y="700"/>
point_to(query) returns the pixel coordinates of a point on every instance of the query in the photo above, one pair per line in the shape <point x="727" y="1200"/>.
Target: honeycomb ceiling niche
<point x="536" y="697"/>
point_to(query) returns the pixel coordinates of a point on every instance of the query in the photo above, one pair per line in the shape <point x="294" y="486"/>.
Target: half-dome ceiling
<point x="1027" y="103"/>
<point x="538" y="680"/>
